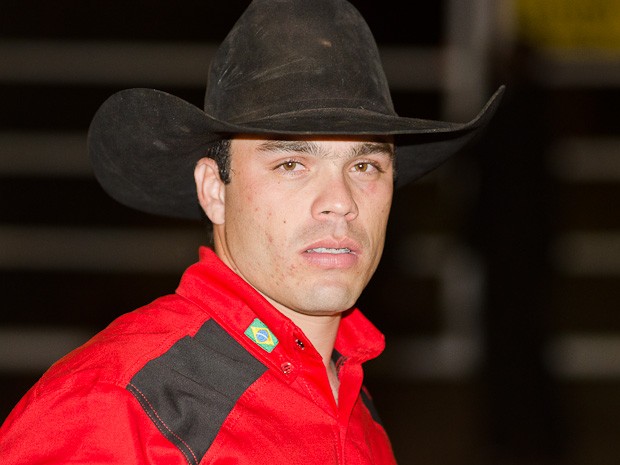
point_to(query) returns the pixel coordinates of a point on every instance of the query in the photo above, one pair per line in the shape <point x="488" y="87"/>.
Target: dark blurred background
<point x="500" y="283"/>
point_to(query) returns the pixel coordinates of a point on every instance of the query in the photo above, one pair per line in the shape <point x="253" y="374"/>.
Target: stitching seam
<point x="159" y="421"/>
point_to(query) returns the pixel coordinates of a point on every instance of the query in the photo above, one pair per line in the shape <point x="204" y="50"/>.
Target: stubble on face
<point x="274" y="217"/>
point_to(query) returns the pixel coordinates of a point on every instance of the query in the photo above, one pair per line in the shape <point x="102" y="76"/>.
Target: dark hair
<point x="220" y="152"/>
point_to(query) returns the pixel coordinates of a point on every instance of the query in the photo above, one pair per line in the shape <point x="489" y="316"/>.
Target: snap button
<point x="300" y="344"/>
<point x="287" y="367"/>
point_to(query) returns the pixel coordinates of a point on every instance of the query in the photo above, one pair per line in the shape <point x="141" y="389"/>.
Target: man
<point x="258" y="355"/>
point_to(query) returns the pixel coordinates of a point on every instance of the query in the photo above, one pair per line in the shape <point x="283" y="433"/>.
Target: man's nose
<point x="334" y="199"/>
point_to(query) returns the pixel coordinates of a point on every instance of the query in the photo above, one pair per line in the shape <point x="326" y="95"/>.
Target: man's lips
<point x="332" y="254"/>
<point x="333" y="246"/>
<point x="329" y="250"/>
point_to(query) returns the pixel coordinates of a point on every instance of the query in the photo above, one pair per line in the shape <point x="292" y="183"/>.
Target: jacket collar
<point x="256" y="324"/>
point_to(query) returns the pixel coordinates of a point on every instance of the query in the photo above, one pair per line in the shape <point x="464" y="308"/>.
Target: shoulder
<point x="79" y="418"/>
<point x="115" y="354"/>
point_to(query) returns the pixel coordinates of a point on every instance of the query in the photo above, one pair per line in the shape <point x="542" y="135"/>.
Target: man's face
<point x="305" y="220"/>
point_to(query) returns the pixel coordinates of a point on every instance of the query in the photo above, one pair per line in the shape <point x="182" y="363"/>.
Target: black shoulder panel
<point x="370" y="405"/>
<point x="189" y="391"/>
<point x="338" y="359"/>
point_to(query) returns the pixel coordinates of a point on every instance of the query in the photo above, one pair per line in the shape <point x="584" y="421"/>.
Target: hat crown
<point x="292" y="56"/>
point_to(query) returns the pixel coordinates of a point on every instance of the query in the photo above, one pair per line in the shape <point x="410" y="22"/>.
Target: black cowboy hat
<point x="288" y="67"/>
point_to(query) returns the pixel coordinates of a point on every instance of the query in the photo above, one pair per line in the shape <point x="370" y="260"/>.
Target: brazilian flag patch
<point x="260" y="334"/>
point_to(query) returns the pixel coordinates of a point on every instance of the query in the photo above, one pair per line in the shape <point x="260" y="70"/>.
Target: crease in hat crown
<point x="283" y="57"/>
<point x="287" y="67"/>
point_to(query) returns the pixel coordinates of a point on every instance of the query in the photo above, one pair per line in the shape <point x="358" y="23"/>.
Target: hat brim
<point x="144" y="143"/>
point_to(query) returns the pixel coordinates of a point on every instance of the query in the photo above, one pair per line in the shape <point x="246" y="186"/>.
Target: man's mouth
<point x="332" y="255"/>
<point x="329" y="250"/>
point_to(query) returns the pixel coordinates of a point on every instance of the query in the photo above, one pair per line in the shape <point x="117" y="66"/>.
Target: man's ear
<point x="210" y="189"/>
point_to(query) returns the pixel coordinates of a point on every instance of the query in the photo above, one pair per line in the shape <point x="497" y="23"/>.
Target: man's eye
<point x="364" y="167"/>
<point x="290" y="165"/>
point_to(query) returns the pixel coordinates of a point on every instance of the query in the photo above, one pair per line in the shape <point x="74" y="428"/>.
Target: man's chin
<point x="329" y="300"/>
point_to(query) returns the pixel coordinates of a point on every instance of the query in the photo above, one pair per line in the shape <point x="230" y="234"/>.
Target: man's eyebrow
<point x="274" y="145"/>
<point x="310" y="147"/>
<point x="369" y="148"/>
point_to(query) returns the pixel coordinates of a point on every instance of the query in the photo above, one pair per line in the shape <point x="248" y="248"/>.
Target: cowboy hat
<point x="287" y="67"/>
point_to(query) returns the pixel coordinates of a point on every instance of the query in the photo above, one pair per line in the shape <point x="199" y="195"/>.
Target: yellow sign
<point x="574" y="24"/>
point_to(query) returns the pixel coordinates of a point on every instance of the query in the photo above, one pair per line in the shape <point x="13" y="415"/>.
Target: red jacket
<point x="211" y="374"/>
